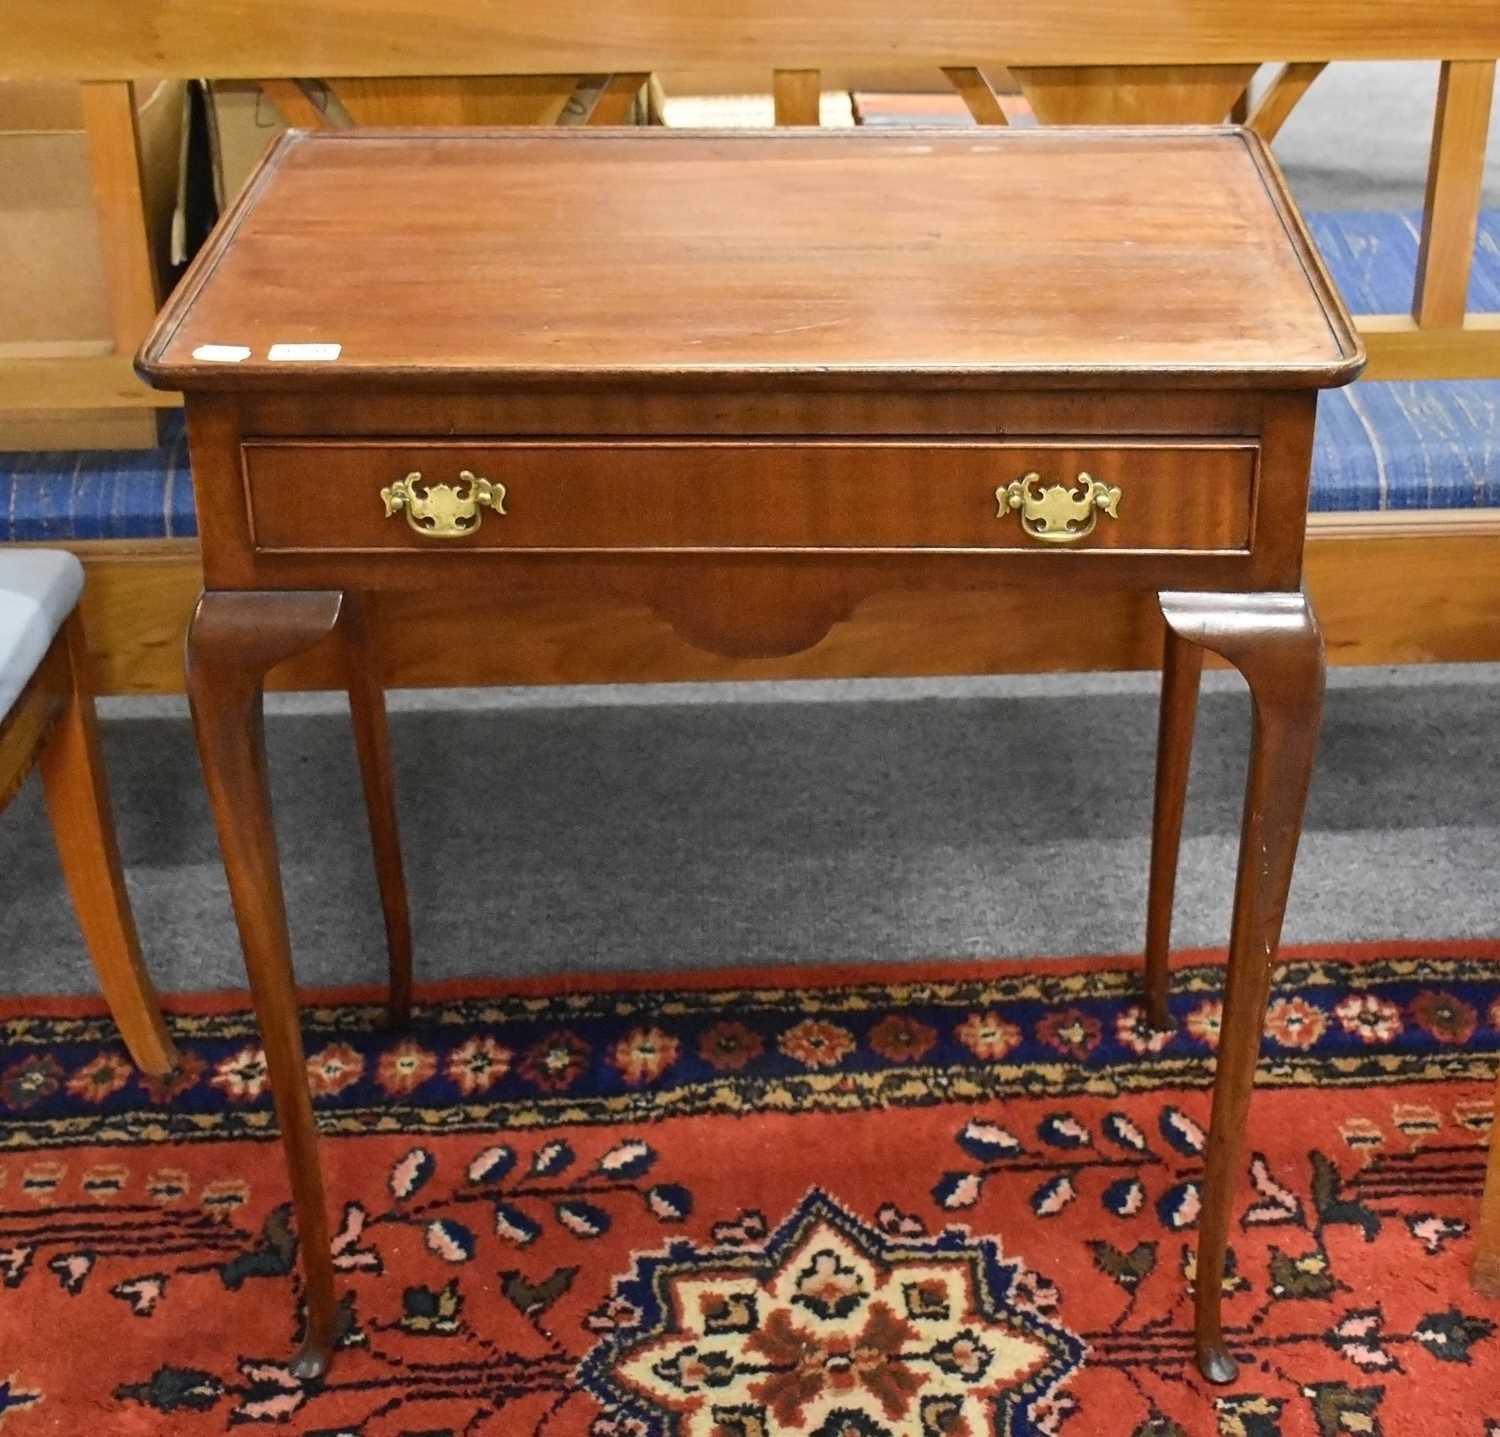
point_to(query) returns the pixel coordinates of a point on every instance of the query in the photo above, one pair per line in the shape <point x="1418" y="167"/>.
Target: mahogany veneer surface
<point x="816" y="258"/>
<point x="686" y="495"/>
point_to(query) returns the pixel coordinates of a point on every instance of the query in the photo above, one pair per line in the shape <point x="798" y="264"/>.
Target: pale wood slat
<point x="796" y="93"/>
<point x="229" y="39"/>
<point x="104" y="382"/>
<point x="977" y="93"/>
<point x="1400" y="349"/>
<point x="293" y="105"/>
<point x="1455" y="183"/>
<point x="461" y="99"/>
<point x="1132" y="94"/>
<point x="615" y="104"/>
<point x="114" y="144"/>
<point x="1281" y="97"/>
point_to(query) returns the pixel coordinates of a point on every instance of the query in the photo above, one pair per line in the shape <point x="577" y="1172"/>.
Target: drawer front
<point x="696" y="496"/>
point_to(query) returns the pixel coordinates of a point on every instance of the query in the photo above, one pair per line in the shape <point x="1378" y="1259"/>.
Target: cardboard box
<point x="52" y="299"/>
<point x="242" y="123"/>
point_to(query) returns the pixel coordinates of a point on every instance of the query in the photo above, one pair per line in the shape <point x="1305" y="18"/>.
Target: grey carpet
<point x="1359" y="140"/>
<point x="618" y="829"/>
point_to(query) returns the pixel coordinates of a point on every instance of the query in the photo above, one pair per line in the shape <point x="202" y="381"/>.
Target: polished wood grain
<point x="1282" y="96"/>
<point x="795" y="97"/>
<point x="812" y="258"/>
<point x="416" y="99"/>
<point x="365" y="679"/>
<point x="100" y="38"/>
<point x="977" y="93"/>
<point x="52" y="726"/>
<point x="1397" y="349"/>
<point x="72" y="769"/>
<point x="294" y="105"/>
<point x="1182" y="667"/>
<point x="234" y="639"/>
<point x="618" y="98"/>
<point x="1395" y="588"/>
<point x="635" y="411"/>
<point x="1401" y="349"/>
<point x="1455" y="186"/>
<point x="1286" y="453"/>
<point x="691" y="496"/>
<point x="858" y="46"/>
<point x="109" y="119"/>
<point x="71" y="387"/>
<point x="1273" y="640"/>
<point x="1133" y="94"/>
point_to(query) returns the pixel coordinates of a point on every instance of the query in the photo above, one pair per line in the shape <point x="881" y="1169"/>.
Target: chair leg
<point x="72" y="771"/>
<point x="1182" y="668"/>
<point x="372" y="741"/>
<point x="1273" y="640"/>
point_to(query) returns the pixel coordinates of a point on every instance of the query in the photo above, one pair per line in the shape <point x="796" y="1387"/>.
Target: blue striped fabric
<point x="1374" y="259"/>
<point x="100" y="494"/>
<point x="1399" y="445"/>
<point x="1430" y="445"/>
<point x="1404" y="445"/>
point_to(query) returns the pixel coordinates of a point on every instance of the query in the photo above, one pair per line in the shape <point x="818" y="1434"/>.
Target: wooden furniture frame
<point x="52" y="727"/>
<point x="1094" y="62"/>
<point x="749" y="490"/>
<point x="1407" y="587"/>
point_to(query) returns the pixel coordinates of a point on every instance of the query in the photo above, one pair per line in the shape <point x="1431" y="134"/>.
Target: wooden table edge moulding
<point x="825" y="365"/>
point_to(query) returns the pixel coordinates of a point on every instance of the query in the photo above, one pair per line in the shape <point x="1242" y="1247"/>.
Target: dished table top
<point x="803" y="258"/>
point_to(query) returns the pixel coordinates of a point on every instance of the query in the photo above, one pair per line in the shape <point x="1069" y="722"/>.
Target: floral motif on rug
<point x="954" y="1201"/>
<point x="830" y="1326"/>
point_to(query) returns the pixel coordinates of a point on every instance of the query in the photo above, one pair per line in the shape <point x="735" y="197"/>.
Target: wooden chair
<point x="47" y="719"/>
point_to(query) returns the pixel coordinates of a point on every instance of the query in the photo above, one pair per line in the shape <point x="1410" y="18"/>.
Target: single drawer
<point x="700" y="496"/>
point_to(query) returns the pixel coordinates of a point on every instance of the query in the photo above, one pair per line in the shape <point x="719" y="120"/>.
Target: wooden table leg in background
<point x="1182" y="668"/>
<point x="1274" y="641"/>
<point x="364" y="679"/>
<point x="1486" y="1271"/>
<point x="234" y="639"/>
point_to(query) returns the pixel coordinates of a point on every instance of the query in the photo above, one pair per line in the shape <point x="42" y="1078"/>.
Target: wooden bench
<point x="1392" y="586"/>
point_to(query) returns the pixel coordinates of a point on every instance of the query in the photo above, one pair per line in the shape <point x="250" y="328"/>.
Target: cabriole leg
<point x="1273" y="640"/>
<point x="234" y="639"/>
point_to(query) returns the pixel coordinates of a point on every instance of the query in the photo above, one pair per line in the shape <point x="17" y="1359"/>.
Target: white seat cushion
<point x="38" y="590"/>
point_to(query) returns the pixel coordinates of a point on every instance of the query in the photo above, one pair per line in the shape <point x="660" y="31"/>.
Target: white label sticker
<point x="222" y="353"/>
<point x="315" y="352"/>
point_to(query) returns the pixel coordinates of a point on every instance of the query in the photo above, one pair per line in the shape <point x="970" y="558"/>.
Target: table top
<point x="793" y="258"/>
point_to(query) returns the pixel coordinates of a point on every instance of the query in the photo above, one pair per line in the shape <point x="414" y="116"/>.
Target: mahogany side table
<point x="827" y="365"/>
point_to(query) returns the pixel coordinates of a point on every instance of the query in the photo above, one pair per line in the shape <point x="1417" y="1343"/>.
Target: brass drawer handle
<point x="1058" y="514"/>
<point x="443" y="511"/>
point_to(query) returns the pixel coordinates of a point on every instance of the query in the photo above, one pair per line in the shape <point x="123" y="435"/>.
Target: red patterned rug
<point x="954" y="1201"/>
